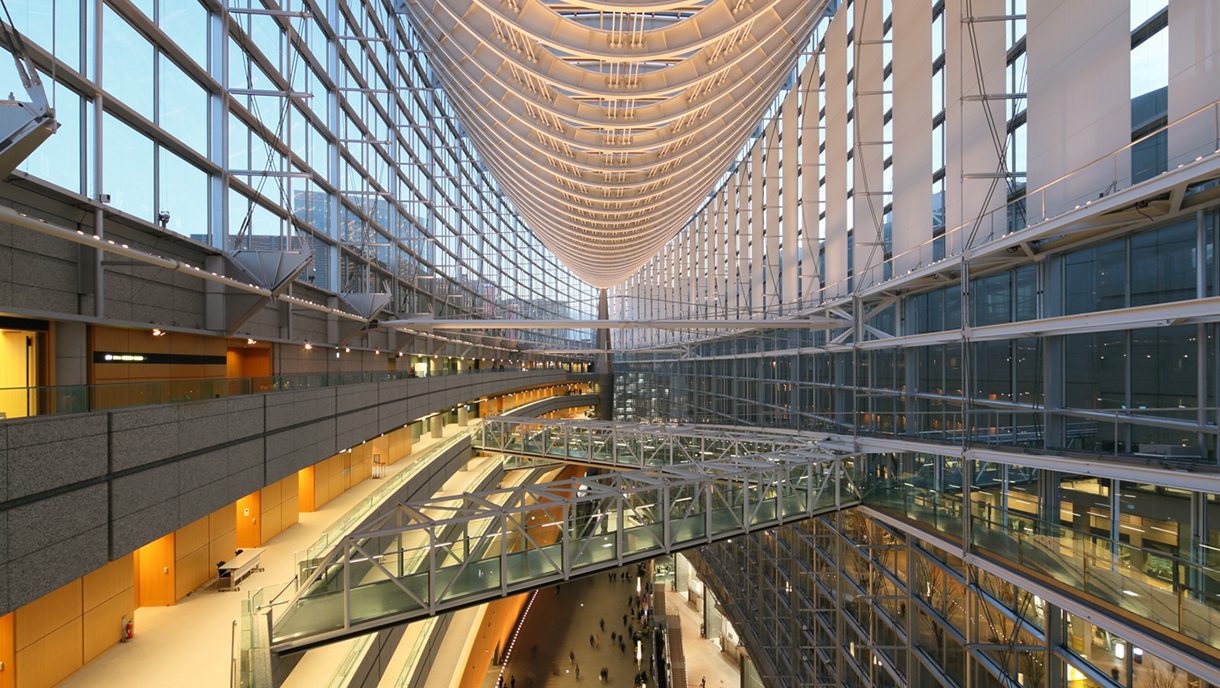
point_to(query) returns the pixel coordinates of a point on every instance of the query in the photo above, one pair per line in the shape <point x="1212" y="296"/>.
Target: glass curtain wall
<point x="314" y="125"/>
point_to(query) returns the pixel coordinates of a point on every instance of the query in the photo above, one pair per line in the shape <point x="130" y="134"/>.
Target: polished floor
<point x="571" y="633"/>
<point x="704" y="660"/>
<point x="190" y="643"/>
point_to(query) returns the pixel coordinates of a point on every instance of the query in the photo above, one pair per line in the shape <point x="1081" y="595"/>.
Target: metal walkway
<point x="443" y="554"/>
<point x="637" y="445"/>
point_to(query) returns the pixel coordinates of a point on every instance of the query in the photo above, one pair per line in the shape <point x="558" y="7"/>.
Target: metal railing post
<point x="565" y="546"/>
<point x="504" y="554"/>
<point x="666" y="525"/>
<point x="745" y="501"/>
<point x="347" y="583"/>
<point x="618" y="531"/>
<point x="431" y="568"/>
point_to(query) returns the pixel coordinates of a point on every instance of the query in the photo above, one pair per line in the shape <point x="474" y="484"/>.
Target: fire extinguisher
<point x="128" y="629"/>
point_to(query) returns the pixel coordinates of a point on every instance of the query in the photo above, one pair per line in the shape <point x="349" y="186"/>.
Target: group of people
<point x="626" y="638"/>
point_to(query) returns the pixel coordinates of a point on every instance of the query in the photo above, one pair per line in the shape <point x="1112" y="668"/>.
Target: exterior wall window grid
<point x="1015" y="108"/>
<point x="304" y="78"/>
<point x="996" y="300"/>
<point x="939" y="150"/>
<point x="1016" y="303"/>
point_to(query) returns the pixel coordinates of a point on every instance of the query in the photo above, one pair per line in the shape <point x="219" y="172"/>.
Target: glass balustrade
<point x="1180" y="595"/>
<point x="456" y="550"/>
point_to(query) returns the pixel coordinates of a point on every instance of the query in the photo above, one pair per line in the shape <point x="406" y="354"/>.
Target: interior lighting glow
<point x="126" y="358"/>
<point x="158" y="333"/>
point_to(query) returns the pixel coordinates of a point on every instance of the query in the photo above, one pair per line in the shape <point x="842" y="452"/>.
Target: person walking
<point x="590" y="640"/>
<point x="578" y="672"/>
<point x="571" y="656"/>
<point x="512" y="682"/>
<point x="602" y="623"/>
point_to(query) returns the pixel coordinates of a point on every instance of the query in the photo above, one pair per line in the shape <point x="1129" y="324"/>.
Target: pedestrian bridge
<point x="637" y="445"/>
<point x="439" y="555"/>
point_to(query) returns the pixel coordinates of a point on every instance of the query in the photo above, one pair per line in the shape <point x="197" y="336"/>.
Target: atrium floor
<point x="703" y="658"/>
<point x="190" y="643"/>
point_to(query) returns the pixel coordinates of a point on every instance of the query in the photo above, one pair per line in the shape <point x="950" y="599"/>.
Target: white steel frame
<point x="408" y="564"/>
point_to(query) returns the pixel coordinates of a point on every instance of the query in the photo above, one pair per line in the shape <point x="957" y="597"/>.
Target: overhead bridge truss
<point x="637" y="446"/>
<point x="443" y="554"/>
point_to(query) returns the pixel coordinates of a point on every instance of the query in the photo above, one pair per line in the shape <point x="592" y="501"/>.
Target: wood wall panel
<point x="190" y="557"/>
<point x="106" y="582"/>
<point x="495" y="630"/>
<point x="290" y="512"/>
<point x="102" y="626"/>
<point x="46" y="614"/>
<point x="222" y="534"/>
<point x="156" y="573"/>
<point x="280" y="507"/>
<point x="221" y="548"/>
<point x="8" y="655"/>
<point x="52" y="658"/>
<point x="248" y="510"/>
<point x="305" y="489"/>
<point x="142" y="341"/>
<point x="270" y="522"/>
<point x="271" y="495"/>
<point x="220" y="521"/>
<point x="248" y="360"/>
<point x="191" y="537"/>
<point x="191" y="571"/>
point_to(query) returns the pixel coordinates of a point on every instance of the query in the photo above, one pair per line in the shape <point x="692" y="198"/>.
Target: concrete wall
<point x="78" y="491"/>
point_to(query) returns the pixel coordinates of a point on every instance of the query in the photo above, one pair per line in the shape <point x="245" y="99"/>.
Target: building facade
<point x="979" y="238"/>
<point x="267" y="183"/>
<point x="1018" y="337"/>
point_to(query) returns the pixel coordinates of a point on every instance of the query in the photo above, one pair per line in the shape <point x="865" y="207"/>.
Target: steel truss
<point x="636" y="445"/>
<point x="442" y="554"/>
